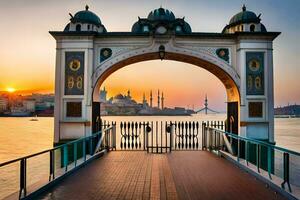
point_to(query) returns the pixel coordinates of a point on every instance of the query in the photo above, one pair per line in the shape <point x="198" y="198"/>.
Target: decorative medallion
<point x="255" y="73"/>
<point x="74" y="73"/>
<point x="254" y="65"/>
<point x="74" y="65"/>
<point x="223" y="54"/>
<point x="161" y="30"/>
<point x="105" y="53"/>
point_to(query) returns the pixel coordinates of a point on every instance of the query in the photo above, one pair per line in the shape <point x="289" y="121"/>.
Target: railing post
<point x="75" y="153"/>
<point x="22" y="178"/>
<point x="84" y="149"/>
<point x="203" y="127"/>
<point x="91" y="145"/>
<point x="238" y="154"/>
<point x="215" y="139"/>
<point x="66" y="158"/>
<point x="286" y="171"/>
<point x="269" y="162"/>
<point x="52" y="159"/>
<point x="257" y="157"/>
<point x="114" y="136"/>
<point x="247" y="152"/>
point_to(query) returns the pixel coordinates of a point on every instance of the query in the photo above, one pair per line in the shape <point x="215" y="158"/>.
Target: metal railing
<point x="56" y="161"/>
<point x="161" y="136"/>
<point x="279" y="165"/>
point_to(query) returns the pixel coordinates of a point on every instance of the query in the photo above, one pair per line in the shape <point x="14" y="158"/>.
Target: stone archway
<point x="222" y="70"/>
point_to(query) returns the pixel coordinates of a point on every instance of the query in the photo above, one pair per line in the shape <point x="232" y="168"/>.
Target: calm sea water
<point x="20" y="137"/>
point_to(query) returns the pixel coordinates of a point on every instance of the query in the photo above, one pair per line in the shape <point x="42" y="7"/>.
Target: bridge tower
<point x="206" y="104"/>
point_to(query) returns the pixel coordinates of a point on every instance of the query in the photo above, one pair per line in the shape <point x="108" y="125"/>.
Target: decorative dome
<point x="85" y="20"/>
<point x="119" y="96"/>
<point x="245" y="21"/>
<point x="161" y="21"/>
<point x="244" y="16"/>
<point x="161" y="14"/>
<point x="86" y="16"/>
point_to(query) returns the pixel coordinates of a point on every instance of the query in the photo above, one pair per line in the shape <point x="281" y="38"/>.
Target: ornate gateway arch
<point x="241" y="56"/>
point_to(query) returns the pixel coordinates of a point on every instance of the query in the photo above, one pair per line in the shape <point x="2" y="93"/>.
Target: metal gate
<point x="161" y="136"/>
<point x="153" y="137"/>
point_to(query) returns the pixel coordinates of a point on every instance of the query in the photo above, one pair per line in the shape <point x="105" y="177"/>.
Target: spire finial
<point x="244" y="8"/>
<point x="87" y="7"/>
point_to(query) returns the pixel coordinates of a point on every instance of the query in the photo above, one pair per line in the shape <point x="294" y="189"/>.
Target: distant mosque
<point x="126" y="104"/>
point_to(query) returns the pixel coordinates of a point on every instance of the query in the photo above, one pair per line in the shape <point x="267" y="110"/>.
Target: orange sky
<point x="183" y="84"/>
<point x="27" y="50"/>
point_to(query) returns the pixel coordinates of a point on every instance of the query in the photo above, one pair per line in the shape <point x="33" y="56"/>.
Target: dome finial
<point x="86" y="7"/>
<point x="244" y="8"/>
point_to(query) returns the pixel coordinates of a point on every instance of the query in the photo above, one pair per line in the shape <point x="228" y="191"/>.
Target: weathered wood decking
<point x="179" y="175"/>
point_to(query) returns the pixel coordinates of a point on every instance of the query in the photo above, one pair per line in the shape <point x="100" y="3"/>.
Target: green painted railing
<point x="279" y="163"/>
<point x="58" y="160"/>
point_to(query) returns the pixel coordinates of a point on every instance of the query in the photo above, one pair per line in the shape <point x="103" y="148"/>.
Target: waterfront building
<point x="3" y="104"/>
<point x="29" y="105"/>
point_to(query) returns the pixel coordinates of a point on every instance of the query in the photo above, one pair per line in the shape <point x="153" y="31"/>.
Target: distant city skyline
<point x="27" y="50"/>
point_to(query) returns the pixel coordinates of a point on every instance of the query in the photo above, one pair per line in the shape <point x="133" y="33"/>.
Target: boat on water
<point x="34" y="119"/>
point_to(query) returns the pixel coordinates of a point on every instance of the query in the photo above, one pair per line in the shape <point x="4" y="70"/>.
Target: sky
<point x="27" y="50"/>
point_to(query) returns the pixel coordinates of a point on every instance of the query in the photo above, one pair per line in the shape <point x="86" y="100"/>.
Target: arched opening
<point x="231" y="86"/>
<point x="252" y="28"/>
<point x="78" y="27"/>
<point x="228" y="81"/>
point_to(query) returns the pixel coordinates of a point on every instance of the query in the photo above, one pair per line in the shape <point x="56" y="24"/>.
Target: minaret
<point x="206" y="104"/>
<point x="158" y="100"/>
<point x="144" y="101"/>
<point x="128" y="94"/>
<point x="151" y="98"/>
<point x="162" y="100"/>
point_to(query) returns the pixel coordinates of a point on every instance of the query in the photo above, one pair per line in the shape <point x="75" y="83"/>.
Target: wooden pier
<point x="179" y="175"/>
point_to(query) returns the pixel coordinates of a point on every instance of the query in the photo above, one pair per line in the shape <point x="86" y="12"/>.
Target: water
<point x="20" y="137"/>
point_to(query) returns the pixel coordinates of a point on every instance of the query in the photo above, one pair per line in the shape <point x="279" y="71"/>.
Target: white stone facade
<point x="200" y="49"/>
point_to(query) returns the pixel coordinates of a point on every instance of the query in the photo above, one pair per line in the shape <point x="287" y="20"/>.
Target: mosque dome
<point x="161" y="14"/>
<point x="119" y="96"/>
<point x="86" y="16"/>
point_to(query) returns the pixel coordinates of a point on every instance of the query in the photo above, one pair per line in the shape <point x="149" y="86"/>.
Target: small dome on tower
<point x="244" y="16"/>
<point x="245" y="21"/>
<point x="86" y="16"/>
<point x="85" y="20"/>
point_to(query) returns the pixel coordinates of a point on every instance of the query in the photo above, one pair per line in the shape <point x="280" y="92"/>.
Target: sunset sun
<point x="10" y="89"/>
